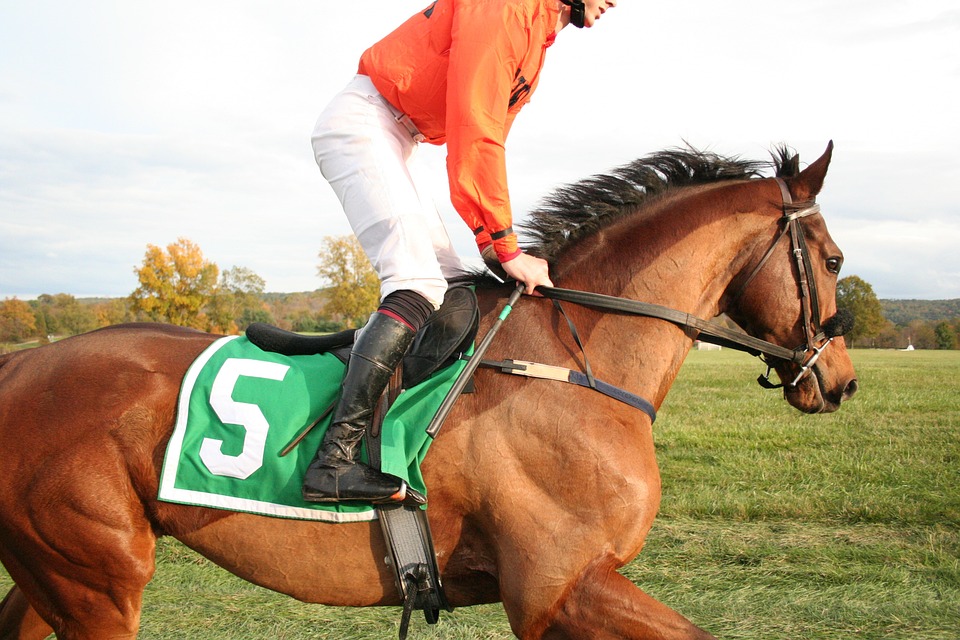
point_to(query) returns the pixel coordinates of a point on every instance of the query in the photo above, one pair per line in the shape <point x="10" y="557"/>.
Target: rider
<point x="457" y="72"/>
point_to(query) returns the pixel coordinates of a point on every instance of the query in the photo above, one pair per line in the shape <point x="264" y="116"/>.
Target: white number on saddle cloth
<point x="247" y="415"/>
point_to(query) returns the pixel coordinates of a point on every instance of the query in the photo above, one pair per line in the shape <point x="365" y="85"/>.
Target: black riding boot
<point x="336" y="474"/>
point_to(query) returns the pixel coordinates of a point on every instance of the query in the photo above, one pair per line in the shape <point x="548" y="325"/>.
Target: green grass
<point x="729" y="449"/>
<point x="773" y="524"/>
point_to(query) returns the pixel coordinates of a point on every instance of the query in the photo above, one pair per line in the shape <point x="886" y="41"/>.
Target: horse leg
<point x="604" y="604"/>
<point x="82" y="552"/>
<point x="19" y="620"/>
<point x="93" y="597"/>
<point x="90" y="597"/>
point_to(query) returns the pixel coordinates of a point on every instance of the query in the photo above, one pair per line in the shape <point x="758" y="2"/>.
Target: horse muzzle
<point x="821" y="386"/>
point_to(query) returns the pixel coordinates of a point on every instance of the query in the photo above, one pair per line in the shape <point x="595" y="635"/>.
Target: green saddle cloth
<point x="239" y="407"/>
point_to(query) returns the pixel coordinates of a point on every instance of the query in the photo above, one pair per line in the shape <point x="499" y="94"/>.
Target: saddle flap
<point x="445" y="335"/>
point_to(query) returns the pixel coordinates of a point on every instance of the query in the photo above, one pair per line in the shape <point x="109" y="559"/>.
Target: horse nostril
<point x="851" y="389"/>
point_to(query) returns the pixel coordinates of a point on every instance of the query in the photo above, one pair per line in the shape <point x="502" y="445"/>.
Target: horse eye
<point x="833" y="264"/>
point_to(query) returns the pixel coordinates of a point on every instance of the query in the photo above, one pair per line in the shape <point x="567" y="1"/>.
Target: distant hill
<point x="901" y="312"/>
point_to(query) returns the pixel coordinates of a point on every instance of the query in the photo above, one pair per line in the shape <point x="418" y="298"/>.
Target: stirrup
<point x="406" y="496"/>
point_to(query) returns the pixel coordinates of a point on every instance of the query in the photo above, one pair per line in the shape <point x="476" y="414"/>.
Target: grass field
<point x="773" y="524"/>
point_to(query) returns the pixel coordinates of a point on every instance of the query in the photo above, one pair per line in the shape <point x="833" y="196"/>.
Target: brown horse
<point x="539" y="490"/>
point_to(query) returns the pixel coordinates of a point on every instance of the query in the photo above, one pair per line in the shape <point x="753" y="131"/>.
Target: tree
<point x="921" y="334"/>
<point x="17" y="321"/>
<point x="946" y="335"/>
<point x="856" y="295"/>
<point x="246" y="289"/>
<point x="175" y="284"/>
<point x="237" y="302"/>
<point x="64" y="315"/>
<point x="354" y="291"/>
<point x="112" y="311"/>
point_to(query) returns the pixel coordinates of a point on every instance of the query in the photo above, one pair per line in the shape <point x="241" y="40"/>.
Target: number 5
<point x="245" y="414"/>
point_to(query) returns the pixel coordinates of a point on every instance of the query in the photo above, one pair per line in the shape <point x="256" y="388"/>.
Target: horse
<point x="538" y="490"/>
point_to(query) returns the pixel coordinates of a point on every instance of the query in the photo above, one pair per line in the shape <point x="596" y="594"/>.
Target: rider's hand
<point x="530" y="270"/>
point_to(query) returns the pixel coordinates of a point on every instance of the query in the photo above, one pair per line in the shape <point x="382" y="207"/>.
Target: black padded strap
<point x="270" y="338"/>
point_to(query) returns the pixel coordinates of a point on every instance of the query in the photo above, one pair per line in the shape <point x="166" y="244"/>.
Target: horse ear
<point x="808" y="183"/>
<point x="792" y="166"/>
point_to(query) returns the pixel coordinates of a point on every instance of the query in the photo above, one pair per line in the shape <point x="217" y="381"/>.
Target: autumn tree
<point x="43" y="334"/>
<point x="921" y="334"/>
<point x="112" y="312"/>
<point x="17" y="321"/>
<point x="62" y="314"/>
<point x="175" y="284"/>
<point x="354" y="288"/>
<point x="238" y="301"/>
<point x="301" y="311"/>
<point x="856" y="295"/>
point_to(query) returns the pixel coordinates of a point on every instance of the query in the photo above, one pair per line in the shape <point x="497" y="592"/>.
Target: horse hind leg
<point x="19" y="620"/>
<point x="100" y="600"/>
<point x="602" y="604"/>
<point x="80" y="553"/>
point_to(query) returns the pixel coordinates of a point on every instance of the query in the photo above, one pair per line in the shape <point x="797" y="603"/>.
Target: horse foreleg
<point x="604" y="604"/>
<point x="19" y="620"/>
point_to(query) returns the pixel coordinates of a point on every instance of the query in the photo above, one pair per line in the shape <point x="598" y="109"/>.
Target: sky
<point x="126" y="123"/>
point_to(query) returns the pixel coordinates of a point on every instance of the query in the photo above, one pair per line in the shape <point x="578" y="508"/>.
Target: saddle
<point x="447" y="334"/>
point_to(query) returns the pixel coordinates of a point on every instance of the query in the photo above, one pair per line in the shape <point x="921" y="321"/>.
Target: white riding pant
<point x="369" y="158"/>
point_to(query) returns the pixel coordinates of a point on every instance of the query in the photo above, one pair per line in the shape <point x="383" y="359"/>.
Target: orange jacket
<point x="462" y="69"/>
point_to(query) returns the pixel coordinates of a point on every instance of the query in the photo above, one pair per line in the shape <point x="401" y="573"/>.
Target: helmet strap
<point x="577" y="11"/>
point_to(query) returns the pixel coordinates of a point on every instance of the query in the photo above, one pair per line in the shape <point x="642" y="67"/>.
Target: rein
<point x="715" y="333"/>
<point x="711" y="332"/>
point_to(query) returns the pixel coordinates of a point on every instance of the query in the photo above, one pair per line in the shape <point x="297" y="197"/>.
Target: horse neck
<point x="682" y="252"/>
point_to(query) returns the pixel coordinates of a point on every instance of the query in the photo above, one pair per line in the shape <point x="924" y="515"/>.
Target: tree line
<point x="891" y="328"/>
<point x="177" y="285"/>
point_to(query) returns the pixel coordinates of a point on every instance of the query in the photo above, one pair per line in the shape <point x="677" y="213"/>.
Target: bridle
<point x="817" y="336"/>
<point x="817" y="340"/>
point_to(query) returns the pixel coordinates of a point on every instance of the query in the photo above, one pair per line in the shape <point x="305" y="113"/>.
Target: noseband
<point x="806" y="355"/>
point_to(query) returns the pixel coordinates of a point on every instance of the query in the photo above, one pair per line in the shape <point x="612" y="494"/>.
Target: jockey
<point x="458" y="73"/>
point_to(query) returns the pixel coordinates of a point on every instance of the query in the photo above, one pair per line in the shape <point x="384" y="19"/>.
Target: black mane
<point x="583" y="208"/>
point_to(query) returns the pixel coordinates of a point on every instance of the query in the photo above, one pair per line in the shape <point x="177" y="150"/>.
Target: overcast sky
<point x="125" y="123"/>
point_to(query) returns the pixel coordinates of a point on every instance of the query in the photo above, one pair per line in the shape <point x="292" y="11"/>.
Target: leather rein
<point x="805" y="355"/>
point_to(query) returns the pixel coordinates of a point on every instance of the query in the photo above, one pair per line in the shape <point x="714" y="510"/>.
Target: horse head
<point x="787" y="293"/>
<point x="704" y="234"/>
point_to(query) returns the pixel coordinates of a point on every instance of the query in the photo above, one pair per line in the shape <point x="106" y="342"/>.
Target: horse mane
<point x="578" y="210"/>
<point x="581" y="209"/>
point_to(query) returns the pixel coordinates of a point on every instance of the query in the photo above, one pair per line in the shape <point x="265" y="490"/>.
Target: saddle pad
<point x="240" y="406"/>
